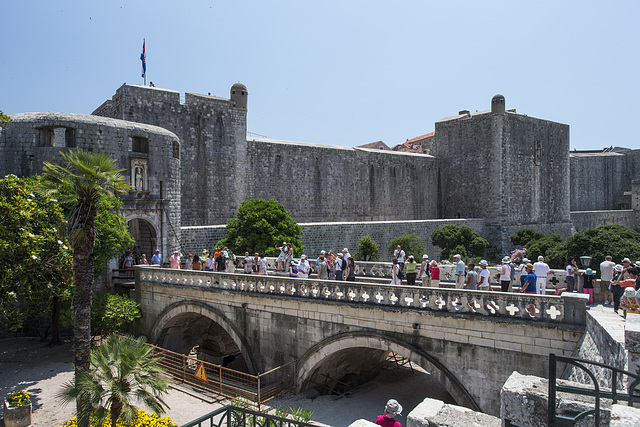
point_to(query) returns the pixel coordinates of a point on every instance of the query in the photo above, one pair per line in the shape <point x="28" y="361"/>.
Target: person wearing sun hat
<point x="391" y="410"/>
<point x="505" y="274"/>
<point x="587" y="287"/>
<point x="616" y="290"/>
<point x="629" y="302"/>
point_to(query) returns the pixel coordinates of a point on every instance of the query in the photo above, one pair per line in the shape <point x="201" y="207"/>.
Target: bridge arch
<point x="178" y="312"/>
<point x="314" y="357"/>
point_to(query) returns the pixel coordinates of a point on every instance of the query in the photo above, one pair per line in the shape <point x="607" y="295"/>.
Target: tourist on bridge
<point x="529" y="286"/>
<point x="523" y="271"/>
<point x="399" y="254"/>
<point x="411" y="271"/>
<point x="351" y="270"/>
<point x="395" y="272"/>
<point x="289" y="257"/>
<point x="460" y="268"/>
<point x="128" y="261"/>
<point x="345" y="255"/>
<point x="570" y="270"/>
<point x="505" y="274"/>
<point x="282" y="256"/>
<point x="263" y="265"/>
<point x="616" y="289"/>
<point x="156" y="259"/>
<point x="256" y="263"/>
<point x="331" y="262"/>
<point x="208" y="262"/>
<point x="303" y="267"/>
<point x="341" y="265"/>
<point x="391" y="410"/>
<point x="174" y="260"/>
<point x="434" y="269"/>
<point x="188" y="262"/>
<point x="248" y="263"/>
<point x="231" y="262"/>
<point x="196" y="265"/>
<point x="606" y="276"/>
<point x="629" y="302"/>
<point x="293" y="269"/>
<point x="424" y="271"/>
<point x="143" y="260"/>
<point x="472" y="278"/>
<point x="587" y="287"/>
<point x="323" y="268"/>
<point x="485" y="283"/>
<point x="541" y="269"/>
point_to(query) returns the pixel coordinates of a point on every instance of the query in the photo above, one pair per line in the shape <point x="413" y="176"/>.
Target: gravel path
<point x="31" y="365"/>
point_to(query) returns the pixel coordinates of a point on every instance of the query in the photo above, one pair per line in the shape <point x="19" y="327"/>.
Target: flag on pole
<point x="143" y="58"/>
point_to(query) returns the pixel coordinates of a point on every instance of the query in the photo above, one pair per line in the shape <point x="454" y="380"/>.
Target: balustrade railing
<point x="567" y="308"/>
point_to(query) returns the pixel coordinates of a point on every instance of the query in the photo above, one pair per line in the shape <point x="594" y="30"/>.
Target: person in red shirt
<point x="435" y="274"/>
<point x="391" y="410"/>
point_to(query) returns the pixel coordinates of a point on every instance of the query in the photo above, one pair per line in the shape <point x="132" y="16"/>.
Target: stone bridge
<point x="471" y="341"/>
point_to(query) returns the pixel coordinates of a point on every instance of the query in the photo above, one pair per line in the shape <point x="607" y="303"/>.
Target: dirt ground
<point x="30" y="365"/>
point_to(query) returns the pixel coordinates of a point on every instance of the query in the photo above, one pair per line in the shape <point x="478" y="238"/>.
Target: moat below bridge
<point x="470" y="341"/>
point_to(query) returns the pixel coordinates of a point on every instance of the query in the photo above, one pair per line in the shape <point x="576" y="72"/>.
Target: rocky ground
<point x="31" y="365"/>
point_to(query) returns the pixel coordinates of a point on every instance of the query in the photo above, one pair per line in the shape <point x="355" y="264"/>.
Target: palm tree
<point x="122" y="372"/>
<point x="80" y="181"/>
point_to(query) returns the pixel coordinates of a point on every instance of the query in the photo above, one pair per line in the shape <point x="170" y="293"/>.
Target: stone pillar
<point x="575" y="307"/>
<point x="632" y="343"/>
<point x="635" y="203"/>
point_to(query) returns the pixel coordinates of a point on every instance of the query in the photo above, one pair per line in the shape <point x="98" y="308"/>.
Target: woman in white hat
<point x="629" y="302"/>
<point x="391" y="410"/>
<point x="616" y="290"/>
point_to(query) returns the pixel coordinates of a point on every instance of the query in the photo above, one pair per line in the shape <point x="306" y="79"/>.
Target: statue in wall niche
<point x="139" y="174"/>
<point x="139" y="179"/>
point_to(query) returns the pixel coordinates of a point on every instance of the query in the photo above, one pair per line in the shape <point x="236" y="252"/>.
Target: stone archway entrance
<point x="145" y="236"/>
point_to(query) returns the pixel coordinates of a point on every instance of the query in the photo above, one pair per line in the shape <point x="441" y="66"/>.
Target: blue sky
<point x="338" y="72"/>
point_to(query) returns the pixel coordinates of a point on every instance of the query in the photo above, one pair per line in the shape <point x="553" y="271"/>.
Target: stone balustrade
<point x="567" y="308"/>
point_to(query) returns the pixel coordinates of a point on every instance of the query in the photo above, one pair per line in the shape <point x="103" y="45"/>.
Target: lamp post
<point x="585" y="261"/>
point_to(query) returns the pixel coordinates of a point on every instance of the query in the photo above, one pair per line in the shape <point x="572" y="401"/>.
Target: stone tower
<point x="239" y="95"/>
<point x="511" y="169"/>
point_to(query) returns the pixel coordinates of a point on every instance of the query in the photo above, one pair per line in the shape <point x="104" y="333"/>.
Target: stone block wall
<point x="589" y="219"/>
<point x="338" y="235"/>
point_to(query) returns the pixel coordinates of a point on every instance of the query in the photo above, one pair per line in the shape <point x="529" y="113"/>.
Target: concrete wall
<point x="26" y="142"/>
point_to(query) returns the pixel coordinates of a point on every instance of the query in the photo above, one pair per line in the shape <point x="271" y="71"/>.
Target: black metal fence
<point x="232" y="416"/>
<point x="615" y="393"/>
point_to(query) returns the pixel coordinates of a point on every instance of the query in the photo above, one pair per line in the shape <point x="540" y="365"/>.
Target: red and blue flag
<point x="143" y="58"/>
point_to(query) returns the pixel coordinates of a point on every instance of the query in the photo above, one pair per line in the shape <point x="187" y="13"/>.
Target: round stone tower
<point x="239" y="95"/>
<point x="497" y="104"/>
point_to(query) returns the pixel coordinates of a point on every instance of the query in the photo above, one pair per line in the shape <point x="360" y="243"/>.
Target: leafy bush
<point x="461" y="240"/>
<point x="598" y="242"/>
<point x="367" y="249"/>
<point x="524" y="236"/>
<point x="143" y="419"/>
<point x="259" y="226"/>
<point x="113" y="313"/>
<point x="410" y="243"/>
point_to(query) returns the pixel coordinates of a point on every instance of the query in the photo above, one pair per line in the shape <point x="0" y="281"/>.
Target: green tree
<point x="553" y="248"/>
<point x="615" y="240"/>
<point x="112" y="313"/>
<point x="123" y="371"/>
<point x="259" y="226"/>
<point x="35" y="267"/>
<point x="80" y="181"/>
<point x="410" y="243"/>
<point x="4" y="119"/>
<point x="453" y="239"/>
<point x="112" y="233"/>
<point x="524" y="236"/>
<point x="367" y="249"/>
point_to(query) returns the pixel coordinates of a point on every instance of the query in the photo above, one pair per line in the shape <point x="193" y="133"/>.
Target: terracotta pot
<point x="17" y="417"/>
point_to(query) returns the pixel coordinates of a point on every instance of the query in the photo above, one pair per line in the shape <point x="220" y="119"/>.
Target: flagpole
<point x="145" y="61"/>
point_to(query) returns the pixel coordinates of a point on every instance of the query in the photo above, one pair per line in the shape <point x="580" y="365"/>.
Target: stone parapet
<point x="436" y="413"/>
<point x="569" y="308"/>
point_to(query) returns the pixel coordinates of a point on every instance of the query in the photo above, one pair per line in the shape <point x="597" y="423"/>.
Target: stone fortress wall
<point x="508" y="169"/>
<point x="148" y="155"/>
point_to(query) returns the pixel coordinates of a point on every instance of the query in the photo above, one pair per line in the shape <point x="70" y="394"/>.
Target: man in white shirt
<point x="460" y="267"/>
<point x="303" y="267"/>
<point x="339" y="267"/>
<point x="281" y="257"/>
<point x="399" y="254"/>
<point x="345" y="254"/>
<point x="541" y="269"/>
<point x="606" y="276"/>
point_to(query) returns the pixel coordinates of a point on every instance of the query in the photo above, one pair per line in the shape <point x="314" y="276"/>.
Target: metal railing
<point x="631" y="395"/>
<point x="232" y="416"/>
<point x="227" y="382"/>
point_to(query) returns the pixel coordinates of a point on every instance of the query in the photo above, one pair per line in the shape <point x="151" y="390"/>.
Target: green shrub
<point x="410" y="243"/>
<point x="367" y="249"/>
<point x="112" y="313"/>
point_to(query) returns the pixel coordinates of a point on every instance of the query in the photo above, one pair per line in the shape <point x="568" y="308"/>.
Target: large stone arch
<point x="316" y="354"/>
<point x="145" y="234"/>
<point x="196" y="307"/>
